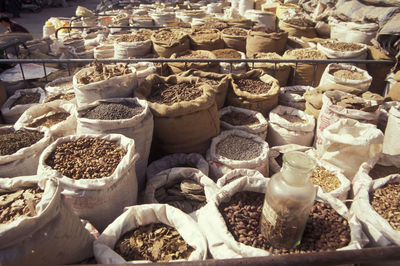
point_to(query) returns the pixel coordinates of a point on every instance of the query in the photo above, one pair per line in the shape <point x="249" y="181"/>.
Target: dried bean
<point x="11" y="141"/>
<point x="348" y="74"/>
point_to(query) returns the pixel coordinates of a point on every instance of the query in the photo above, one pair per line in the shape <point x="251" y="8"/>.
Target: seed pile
<point x="381" y="171"/>
<point x="49" y="120"/>
<point x="325" y="229"/>
<point x="114" y="111"/>
<point x="18" y="204"/>
<point x="353" y="102"/>
<point x="209" y="81"/>
<point x="267" y="30"/>
<point x="153" y="242"/>
<point x="26" y="98"/>
<point x="186" y="195"/>
<point x="292" y="118"/>
<point x="235" y="32"/>
<point x="386" y="202"/>
<point x="305" y="54"/>
<point x="60" y="96"/>
<point x="253" y="86"/>
<point x="226" y="53"/>
<point x="11" y="141"/>
<point x="342" y="46"/>
<point x="348" y="74"/>
<point x="239" y="148"/>
<point x="139" y="36"/>
<point x="104" y="72"/>
<point x="86" y="158"/>
<point x="239" y="119"/>
<point x="173" y="93"/>
<point x="192" y="54"/>
<point x="168" y="35"/>
<point x="206" y="34"/>
<point x="327" y="180"/>
<point x="302" y="22"/>
<point x="213" y="25"/>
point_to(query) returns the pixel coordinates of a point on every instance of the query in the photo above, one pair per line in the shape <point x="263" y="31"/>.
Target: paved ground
<point x="34" y="21"/>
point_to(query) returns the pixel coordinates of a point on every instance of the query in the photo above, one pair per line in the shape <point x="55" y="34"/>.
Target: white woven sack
<point x="103" y="52"/>
<point x="292" y="96"/>
<point x="331" y="113"/>
<point x="171" y="175"/>
<point x="245" y="5"/>
<point x="115" y="87"/>
<point x="378" y="229"/>
<point x="274" y="152"/>
<point x="238" y="173"/>
<point x="261" y="18"/>
<point x="48" y="31"/>
<point x="328" y="78"/>
<point x="141" y="215"/>
<point x="391" y="144"/>
<point x="24" y="161"/>
<point x="54" y="88"/>
<point x="220" y="165"/>
<point x="53" y="236"/>
<point x="99" y="201"/>
<point x="353" y="32"/>
<point x="123" y="50"/>
<point x="282" y="132"/>
<point x="221" y="243"/>
<point x="141" y="74"/>
<point x="348" y="143"/>
<point x="330" y="53"/>
<point x="63" y="128"/>
<point x="193" y="160"/>
<point x="237" y="68"/>
<point x="259" y="129"/>
<point x="140" y="128"/>
<point x="11" y="114"/>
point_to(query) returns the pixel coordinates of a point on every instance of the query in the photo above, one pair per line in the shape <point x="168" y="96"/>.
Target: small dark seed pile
<point x="27" y="98"/>
<point x="253" y="86"/>
<point x="239" y="148"/>
<point x="153" y="242"/>
<point x="11" y="141"/>
<point x="114" y="111"/>
<point x="325" y="229"/>
<point x="239" y="119"/>
<point x="50" y="120"/>
<point x="86" y="158"/>
<point x="381" y="171"/>
<point x="386" y="202"/>
<point x="169" y="94"/>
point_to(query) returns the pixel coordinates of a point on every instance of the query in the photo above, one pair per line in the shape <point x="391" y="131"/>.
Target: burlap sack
<point x="262" y="103"/>
<point x="280" y="71"/>
<point x="235" y="41"/>
<point x="185" y="126"/>
<point x="206" y="39"/>
<point x="298" y="31"/>
<point x="165" y="48"/>
<point x="178" y="67"/>
<point x="311" y="110"/>
<point x="394" y="92"/>
<point x="258" y="41"/>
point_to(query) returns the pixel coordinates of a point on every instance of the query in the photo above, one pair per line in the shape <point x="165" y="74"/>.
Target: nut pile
<point x="86" y="158"/>
<point x="18" y="204"/>
<point x="186" y="195"/>
<point x="226" y="53"/>
<point x="382" y="171"/>
<point x="26" y="98"/>
<point x="348" y="74"/>
<point x="168" y="35"/>
<point x="253" y="86"/>
<point x="325" y="229"/>
<point x="104" y="72"/>
<point x="353" y="102"/>
<point x="239" y="148"/>
<point x="292" y="118"/>
<point x="267" y="30"/>
<point x="60" y="96"/>
<point x="205" y="34"/>
<point x="139" y="36"/>
<point x="192" y="54"/>
<point x="114" y="111"/>
<point x="327" y="180"/>
<point x="342" y="46"/>
<point x="235" y="32"/>
<point x="49" y="119"/>
<point x="305" y="54"/>
<point x="386" y="202"/>
<point x="173" y="93"/>
<point x="209" y="81"/>
<point x="11" y="141"/>
<point x="153" y="242"/>
<point x="239" y="119"/>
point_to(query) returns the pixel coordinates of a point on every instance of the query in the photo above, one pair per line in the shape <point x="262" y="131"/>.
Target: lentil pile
<point x="235" y="32"/>
<point x="292" y="118"/>
<point x="342" y="46"/>
<point x="348" y="74"/>
<point x="114" y="111"/>
<point x="104" y="72"/>
<point x="86" y="158"/>
<point x="50" y="120"/>
<point x="17" y="204"/>
<point x="60" y="96"/>
<point x="153" y="242"/>
<point x="386" y="202"/>
<point x="11" y="141"/>
<point x="26" y="98"/>
<point x="173" y="93"/>
<point x="325" y="229"/>
<point x="186" y="195"/>
<point x="239" y="119"/>
<point x="253" y="86"/>
<point x="226" y="53"/>
<point x="239" y="148"/>
<point x="381" y="171"/>
<point x="327" y="180"/>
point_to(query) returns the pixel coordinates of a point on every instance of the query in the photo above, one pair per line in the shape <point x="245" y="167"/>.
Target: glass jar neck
<point x="297" y="167"/>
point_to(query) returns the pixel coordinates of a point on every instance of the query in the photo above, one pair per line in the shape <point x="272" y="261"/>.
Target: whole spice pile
<point x="26" y="98"/>
<point x="325" y="229"/>
<point x="305" y="54"/>
<point x="239" y="119"/>
<point x="327" y="180"/>
<point x="192" y="54"/>
<point x="235" y="32"/>
<point x="353" y="102"/>
<point x="173" y="93"/>
<point x="103" y="72"/>
<point x="386" y="202"/>
<point x="114" y="111"/>
<point x="209" y="81"/>
<point x="86" y="158"/>
<point x="348" y="74"/>
<point x="60" y="96"/>
<point x="19" y="204"/>
<point x="168" y="35"/>
<point x="342" y="46"/>
<point x="302" y="22"/>
<point x="204" y="34"/>
<point x="186" y="195"/>
<point x="49" y="119"/>
<point x="239" y="148"/>
<point x="292" y="118"/>
<point x="139" y="36"/>
<point x="267" y="30"/>
<point x="11" y="141"/>
<point x="253" y="86"/>
<point x="226" y="53"/>
<point x="153" y="242"/>
<point x="381" y="171"/>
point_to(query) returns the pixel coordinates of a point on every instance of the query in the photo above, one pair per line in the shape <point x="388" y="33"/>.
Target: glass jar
<point x="288" y="201"/>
